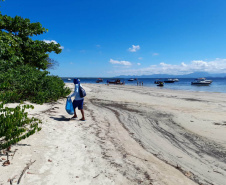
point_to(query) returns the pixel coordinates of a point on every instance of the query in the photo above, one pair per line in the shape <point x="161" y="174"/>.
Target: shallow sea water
<point x="218" y="84"/>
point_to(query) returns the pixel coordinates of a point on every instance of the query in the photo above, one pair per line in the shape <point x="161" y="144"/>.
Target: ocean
<point x="218" y="84"/>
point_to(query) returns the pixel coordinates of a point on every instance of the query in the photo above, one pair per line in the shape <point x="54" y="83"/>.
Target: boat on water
<point x="201" y="81"/>
<point x="176" y="80"/>
<point x="69" y="79"/>
<point x="99" y="80"/>
<point x="160" y="84"/>
<point x="158" y="81"/>
<point x="117" y="82"/>
<point x="131" y="79"/>
<point x="170" y="80"/>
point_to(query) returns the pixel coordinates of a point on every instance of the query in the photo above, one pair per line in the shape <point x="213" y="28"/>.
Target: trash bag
<point x="69" y="106"/>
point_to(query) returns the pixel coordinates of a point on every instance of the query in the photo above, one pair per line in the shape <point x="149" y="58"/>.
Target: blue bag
<point x="69" y="106"/>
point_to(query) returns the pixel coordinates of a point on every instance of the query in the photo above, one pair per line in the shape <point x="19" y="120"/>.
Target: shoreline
<point x="131" y="135"/>
<point x="218" y="84"/>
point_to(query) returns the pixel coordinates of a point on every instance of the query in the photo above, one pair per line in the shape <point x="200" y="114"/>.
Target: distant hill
<point x="191" y="75"/>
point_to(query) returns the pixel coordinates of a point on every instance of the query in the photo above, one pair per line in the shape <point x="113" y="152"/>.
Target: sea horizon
<point x="218" y="85"/>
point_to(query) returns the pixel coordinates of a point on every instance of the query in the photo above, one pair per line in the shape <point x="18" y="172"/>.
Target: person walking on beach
<point x="78" y="101"/>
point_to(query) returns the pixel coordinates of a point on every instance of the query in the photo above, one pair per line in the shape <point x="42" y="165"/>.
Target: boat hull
<point x="166" y="81"/>
<point x="200" y="84"/>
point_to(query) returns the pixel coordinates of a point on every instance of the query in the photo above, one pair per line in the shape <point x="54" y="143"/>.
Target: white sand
<point x="132" y="135"/>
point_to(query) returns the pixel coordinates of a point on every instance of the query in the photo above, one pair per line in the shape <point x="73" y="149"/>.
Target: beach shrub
<point x="23" y="76"/>
<point x="27" y="83"/>
<point x="15" y="125"/>
<point x="23" y="63"/>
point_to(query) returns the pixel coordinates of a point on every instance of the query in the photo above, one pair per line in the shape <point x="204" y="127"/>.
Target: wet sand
<point x="132" y="135"/>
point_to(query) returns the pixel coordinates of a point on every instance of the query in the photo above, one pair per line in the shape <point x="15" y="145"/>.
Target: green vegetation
<point x="28" y="83"/>
<point x="17" y="45"/>
<point x="23" y="76"/>
<point x="15" y="125"/>
<point x="23" y="63"/>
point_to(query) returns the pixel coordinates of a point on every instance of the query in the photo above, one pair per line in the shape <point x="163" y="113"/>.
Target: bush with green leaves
<point x="15" y="125"/>
<point x="23" y="62"/>
<point x="23" y="76"/>
<point x="27" y="83"/>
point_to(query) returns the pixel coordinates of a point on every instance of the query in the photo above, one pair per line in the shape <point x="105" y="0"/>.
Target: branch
<point x="27" y="167"/>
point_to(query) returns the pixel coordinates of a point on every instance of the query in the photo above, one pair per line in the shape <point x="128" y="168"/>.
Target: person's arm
<point x="73" y="94"/>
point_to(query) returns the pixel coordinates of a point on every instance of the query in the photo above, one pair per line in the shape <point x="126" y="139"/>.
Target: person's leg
<point x="83" y="116"/>
<point x="75" y="115"/>
<point x="80" y="107"/>
<point x="75" y="104"/>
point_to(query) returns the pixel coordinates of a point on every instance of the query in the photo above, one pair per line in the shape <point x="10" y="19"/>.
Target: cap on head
<point x="76" y="81"/>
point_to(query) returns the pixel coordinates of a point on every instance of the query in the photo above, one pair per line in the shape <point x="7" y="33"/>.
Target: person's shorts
<point x="78" y="103"/>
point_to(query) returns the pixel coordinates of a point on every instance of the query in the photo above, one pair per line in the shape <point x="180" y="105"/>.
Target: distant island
<point x="191" y="75"/>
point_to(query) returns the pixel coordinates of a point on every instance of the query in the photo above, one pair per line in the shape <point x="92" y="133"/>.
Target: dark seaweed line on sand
<point x="200" y="145"/>
<point x="203" y="145"/>
<point x="111" y="106"/>
<point x="121" y="150"/>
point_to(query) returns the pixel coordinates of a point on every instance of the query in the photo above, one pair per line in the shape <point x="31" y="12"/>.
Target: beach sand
<point x="132" y="135"/>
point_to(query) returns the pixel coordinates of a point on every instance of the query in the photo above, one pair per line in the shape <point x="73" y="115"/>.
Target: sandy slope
<point x="132" y="135"/>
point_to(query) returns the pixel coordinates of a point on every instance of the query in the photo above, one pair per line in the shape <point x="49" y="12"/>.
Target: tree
<point x="21" y="59"/>
<point x="17" y="45"/>
<point x="23" y="63"/>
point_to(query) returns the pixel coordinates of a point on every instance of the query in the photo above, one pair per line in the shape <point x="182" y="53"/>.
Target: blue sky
<point x="129" y="37"/>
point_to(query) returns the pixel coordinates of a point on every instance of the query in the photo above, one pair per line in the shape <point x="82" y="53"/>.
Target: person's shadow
<point x="62" y="118"/>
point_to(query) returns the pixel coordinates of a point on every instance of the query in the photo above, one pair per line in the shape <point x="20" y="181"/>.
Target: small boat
<point x="176" y="80"/>
<point x="99" y="80"/>
<point x="160" y="84"/>
<point x="169" y="80"/>
<point x="157" y="81"/>
<point x="131" y="79"/>
<point x="201" y="82"/>
<point x="117" y="82"/>
<point x="69" y="79"/>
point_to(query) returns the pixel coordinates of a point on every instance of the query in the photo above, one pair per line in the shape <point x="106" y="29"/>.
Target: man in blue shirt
<point x="78" y="101"/>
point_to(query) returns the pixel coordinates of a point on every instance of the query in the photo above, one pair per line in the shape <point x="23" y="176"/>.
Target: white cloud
<point x="138" y="64"/>
<point x="140" y="58"/>
<point x="55" y="42"/>
<point x="49" y="41"/>
<point x="216" y="66"/>
<point x="183" y="64"/>
<point x="125" y="63"/>
<point x="134" y="48"/>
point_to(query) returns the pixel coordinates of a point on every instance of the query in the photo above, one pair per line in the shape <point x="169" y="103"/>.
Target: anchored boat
<point x="201" y="81"/>
<point x="169" y="80"/>
<point x="99" y="80"/>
